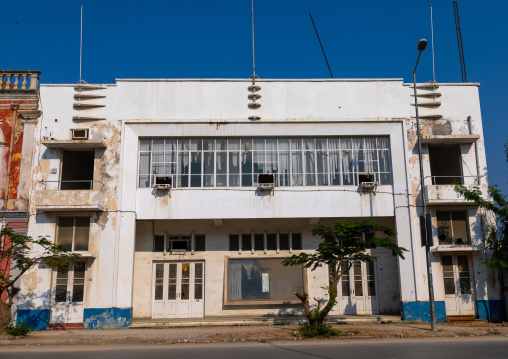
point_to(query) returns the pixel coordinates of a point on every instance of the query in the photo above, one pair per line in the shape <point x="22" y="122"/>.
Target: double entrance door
<point x="357" y="289"/>
<point x="68" y="293"/>
<point x="458" y="284"/>
<point x="177" y="290"/>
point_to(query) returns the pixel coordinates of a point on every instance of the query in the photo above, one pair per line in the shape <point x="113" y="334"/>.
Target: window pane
<point x="79" y="270"/>
<point x="61" y="294"/>
<point x="209" y="165"/>
<point x="199" y="270"/>
<point x="144" y="144"/>
<point x="246" y="242"/>
<point x="296" y="242"/>
<point x="65" y="231"/>
<point x="465" y="286"/>
<point x="196" y="159"/>
<point x="449" y="285"/>
<point x="77" y="293"/>
<point x="263" y="279"/>
<point x="221" y="161"/>
<point x="198" y="291"/>
<point x="463" y="266"/>
<point x="271" y="241"/>
<point x="259" y="242"/>
<point x="460" y="230"/>
<point x="200" y="243"/>
<point x="158" y="244"/>
<point x="82" y="233"/>
<point x="444" y="228"/>
<point x="284" y="241"/>
<point x="233" y="242"/>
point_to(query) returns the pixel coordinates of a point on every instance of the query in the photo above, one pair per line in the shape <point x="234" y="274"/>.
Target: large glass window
<point x="452" y="227"/>
<point x="237" y="162"/>
<point x="73" y="233"/>
<point x="262" y="280"/>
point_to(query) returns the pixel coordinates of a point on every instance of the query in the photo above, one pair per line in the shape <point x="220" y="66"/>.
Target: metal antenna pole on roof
<point x="81" y="47"/>
<point x="253" y="57"/>
<point x="459" y="41"/>
<point x="432" y="32"/>
<point x="322" y="49"/>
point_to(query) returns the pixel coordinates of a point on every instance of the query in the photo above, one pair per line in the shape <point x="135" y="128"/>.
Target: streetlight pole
<point x="422" y="44"/>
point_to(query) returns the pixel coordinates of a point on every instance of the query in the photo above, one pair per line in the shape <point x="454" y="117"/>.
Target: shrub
<point x="21" y="329"/>
<point x="316" y="331"/>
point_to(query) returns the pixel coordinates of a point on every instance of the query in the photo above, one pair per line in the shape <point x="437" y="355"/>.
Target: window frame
<point x="191" y="244"/>
<point x="289" y="301"/>
<point x="252" y="248"/>
<point x="467" y="224"/>
<point x="258" y="147"/>
<point x="57" y="232"/>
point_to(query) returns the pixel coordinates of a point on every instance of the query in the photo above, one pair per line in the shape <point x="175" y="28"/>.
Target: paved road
<point x="492" y="347"/>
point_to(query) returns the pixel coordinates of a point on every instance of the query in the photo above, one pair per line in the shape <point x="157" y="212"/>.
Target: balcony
<point x="442" y="192"/>
<point x="70" y="196"/>
<point x="16" y="80"/>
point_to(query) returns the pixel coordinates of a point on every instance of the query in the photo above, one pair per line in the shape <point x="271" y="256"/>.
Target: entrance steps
<point x="65" y="326"/>
<point x="275" y="320"/>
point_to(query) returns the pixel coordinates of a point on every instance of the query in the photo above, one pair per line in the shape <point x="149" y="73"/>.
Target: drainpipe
<point x="3" y="237"/>
<point x="15" y="108"/>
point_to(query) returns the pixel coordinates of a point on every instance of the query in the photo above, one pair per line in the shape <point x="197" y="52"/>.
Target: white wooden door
<point x="68" y="293"/>
<point x="177" y="290"/>
<point x="458" y="284"/>
<point x="357" y="290"/>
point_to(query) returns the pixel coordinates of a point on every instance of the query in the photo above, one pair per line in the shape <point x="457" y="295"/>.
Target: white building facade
<point x="165" y="188"/>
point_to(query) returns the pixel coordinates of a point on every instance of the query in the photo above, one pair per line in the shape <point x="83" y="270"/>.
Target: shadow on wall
<point x="491" y="309"/>
<point x="36" y="319"/>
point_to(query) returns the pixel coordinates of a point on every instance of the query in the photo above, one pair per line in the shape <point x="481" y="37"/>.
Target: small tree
<point x="17" y="254"/>
<point x="497" y="241"/>
<point x="343" y="242"/>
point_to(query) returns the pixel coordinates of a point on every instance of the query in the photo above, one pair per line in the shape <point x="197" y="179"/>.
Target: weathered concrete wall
<point x="217" y="250"/>
<point x="458" y="103"/>
<point x="121" y="235"/>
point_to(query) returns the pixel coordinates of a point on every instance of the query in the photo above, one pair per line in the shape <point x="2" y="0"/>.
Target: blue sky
<point x="210" y="39"/>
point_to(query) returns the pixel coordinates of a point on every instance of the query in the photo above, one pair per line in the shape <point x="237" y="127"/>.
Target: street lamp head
<point x="422" y="44"/>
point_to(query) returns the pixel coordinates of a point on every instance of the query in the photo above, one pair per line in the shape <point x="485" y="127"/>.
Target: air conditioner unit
<point x="367" y="181"/>
<point x="266" y="182"/>
<point x="163" y="182"/>
<point x="80" y="134"/>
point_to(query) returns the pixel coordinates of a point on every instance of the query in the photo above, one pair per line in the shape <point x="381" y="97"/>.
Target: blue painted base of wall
<point x="420" y="311"/>
<point x="37" y="319"/>
<point x="491" y="310"/>
<point x="98" y="318"/>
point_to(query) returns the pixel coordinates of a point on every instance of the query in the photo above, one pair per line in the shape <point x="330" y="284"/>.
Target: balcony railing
<point x="19" y="80"/>
<point x="75" y="196"/>
<point x="450" y="180"/>
<point x="442" y="191"/>
<point x="73" y="185"/>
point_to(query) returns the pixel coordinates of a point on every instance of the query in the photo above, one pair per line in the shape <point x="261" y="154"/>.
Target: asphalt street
<point x="494" y="347"/>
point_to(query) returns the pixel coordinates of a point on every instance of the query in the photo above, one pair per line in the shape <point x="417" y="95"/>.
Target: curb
<point x="167" y="324"/>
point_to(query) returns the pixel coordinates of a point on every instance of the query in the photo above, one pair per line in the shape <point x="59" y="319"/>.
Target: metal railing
<point x="19" y="80"/>
<point x="448" y="180"/>
<point x="74" y="185"/>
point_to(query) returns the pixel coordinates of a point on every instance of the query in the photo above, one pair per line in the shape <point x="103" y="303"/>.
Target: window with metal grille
<point x="266" y="241"/>
<point x="237" y="162"/>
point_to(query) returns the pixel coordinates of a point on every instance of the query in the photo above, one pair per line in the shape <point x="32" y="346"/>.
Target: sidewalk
<point x="275" y="320"/>
<point x="223" y="333"/>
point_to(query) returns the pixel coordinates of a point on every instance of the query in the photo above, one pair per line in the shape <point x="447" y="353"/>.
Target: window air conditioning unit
<point x="163" y="182"/>
<point x="266" y="182"/>
<point x="80" y="134"/>
<point x="367" y="181"/>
